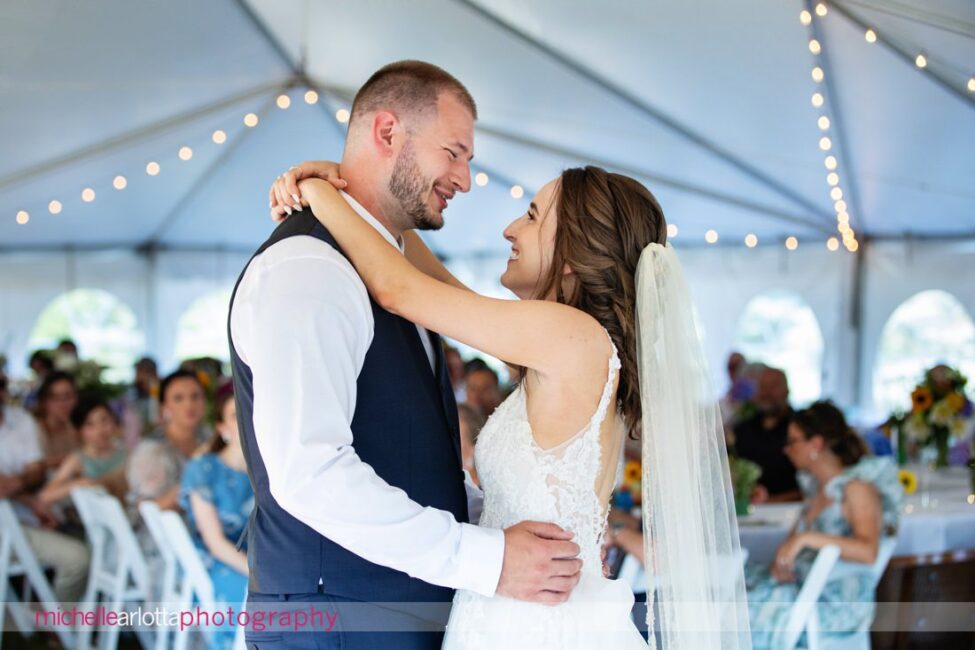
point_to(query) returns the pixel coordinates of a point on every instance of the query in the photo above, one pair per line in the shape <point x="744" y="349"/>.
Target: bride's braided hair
<point x="604" y="221"/>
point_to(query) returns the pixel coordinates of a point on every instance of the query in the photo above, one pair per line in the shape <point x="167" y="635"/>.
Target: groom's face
<point x="433" y="164"/>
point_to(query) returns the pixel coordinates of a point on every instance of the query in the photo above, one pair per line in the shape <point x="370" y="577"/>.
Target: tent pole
<point x="856" y="320"/>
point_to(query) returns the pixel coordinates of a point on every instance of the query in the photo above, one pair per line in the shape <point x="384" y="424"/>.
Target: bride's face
<point x="532" y="238"/>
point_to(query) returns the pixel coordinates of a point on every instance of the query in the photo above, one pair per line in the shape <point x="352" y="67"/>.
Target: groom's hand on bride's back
<point x="540" y="563"/>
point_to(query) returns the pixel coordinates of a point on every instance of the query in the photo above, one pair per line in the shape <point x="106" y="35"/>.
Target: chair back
<point x="803" y="616"/>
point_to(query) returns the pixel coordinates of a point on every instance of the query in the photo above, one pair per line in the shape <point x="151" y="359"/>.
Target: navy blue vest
<point x="404" y="426"/>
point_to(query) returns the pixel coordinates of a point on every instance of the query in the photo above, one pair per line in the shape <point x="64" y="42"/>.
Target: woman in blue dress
<point x="217" y="498"/>
<point x="856" y="502"/>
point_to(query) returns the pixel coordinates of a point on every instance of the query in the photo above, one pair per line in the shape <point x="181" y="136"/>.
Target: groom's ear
<point x="385" y="127"/>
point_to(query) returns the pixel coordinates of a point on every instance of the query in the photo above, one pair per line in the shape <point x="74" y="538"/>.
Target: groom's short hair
<point x="408" y="88"/>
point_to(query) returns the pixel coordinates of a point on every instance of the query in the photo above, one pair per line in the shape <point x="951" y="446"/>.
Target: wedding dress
<point x="522" y="481"/>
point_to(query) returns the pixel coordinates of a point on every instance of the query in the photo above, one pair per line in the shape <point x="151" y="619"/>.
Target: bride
<point x="604" y="343"/>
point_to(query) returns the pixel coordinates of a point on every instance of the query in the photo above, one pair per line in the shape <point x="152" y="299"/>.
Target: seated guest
<point x="217" y="498"/>
<point x="99" y="462"/>
<point x="56" y="398"/>
<point x="156" y="464"/>
<point x="856" y="502"/>
<point x="41" y="364"/>
<point x="455" y="368"/>
<point x="483" y="390"/>
<point x="732" y="398"/>
<point x="22" y="471"/>
<point x="471" y="421"/>
<point x="141" y="407"/>
<point x="761" y="438"/>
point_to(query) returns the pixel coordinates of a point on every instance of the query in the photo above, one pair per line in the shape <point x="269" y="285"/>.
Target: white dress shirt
<point x="302" y="322"/>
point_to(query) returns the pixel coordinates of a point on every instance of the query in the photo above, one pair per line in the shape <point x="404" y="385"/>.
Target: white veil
<point x="691" y="543"/>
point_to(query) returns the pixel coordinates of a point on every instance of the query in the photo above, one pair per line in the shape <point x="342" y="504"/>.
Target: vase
<point x="941" y="438"/>
<point x="742" y="503"/>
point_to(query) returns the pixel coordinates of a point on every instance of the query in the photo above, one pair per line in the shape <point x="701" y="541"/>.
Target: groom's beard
<point x="411" y="190"/>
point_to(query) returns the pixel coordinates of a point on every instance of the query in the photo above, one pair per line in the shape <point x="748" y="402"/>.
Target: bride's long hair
<point x="603" y="223"/>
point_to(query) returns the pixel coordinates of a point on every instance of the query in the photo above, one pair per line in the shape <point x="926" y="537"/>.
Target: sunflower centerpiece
<point x="940" y="414"/>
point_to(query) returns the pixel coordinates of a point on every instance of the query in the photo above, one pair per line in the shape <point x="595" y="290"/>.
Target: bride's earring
<point x="813" y="455"/>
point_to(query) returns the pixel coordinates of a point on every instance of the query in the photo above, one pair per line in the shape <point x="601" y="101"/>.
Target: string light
<point x="185" y="153"/>
<point x="152" y="168"/>
<point x="672" y="230"/>
<point x="119" y="182"/>
<point x="814" y="46"/>
<point x="711" y="236"/>
<point x="840" y="206"/>
<point x="853" y="247"/>
<point x="825" y="144"/>
<point x="823" y="122"/>
<point x="219" y="137"/>
<point x="87" y="195"/>
<point x="23" y="217"/>
<point x="843" y="217"/>
<point x="836" y="194"/>
<point x="830" y="162"/>
<point x="833" y="244"/>
<point x="251" y="120"/>
<point x="481" y="179"/>
<point x="283" y="102"/>
<point x="311" y="97"/>
<point x="751" y="240"/>
<point x="817" y="74"/>
<point x="805" y="17"/>
<point x="342" y="115"/>
<point x="833" y="179"/>
<point x="921" y="61"/>
<point x="821" y="9"/>
<point x="971" y="85"/>
<point x="792" y="243"/>
<point x="870" y="36"/>
<point x="517" y="191"/>
<point x="54" y="207"/>
<point x="817" y="100"/>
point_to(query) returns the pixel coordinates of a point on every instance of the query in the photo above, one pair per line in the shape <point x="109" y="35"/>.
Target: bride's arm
<point x="423" y="258"/>
<point x="530" y="333"/>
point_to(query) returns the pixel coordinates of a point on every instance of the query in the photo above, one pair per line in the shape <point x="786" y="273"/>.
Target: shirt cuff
<point x="481" y="555"/>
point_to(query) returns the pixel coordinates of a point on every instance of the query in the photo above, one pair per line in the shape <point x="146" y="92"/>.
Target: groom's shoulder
<point x="305" y="251"/>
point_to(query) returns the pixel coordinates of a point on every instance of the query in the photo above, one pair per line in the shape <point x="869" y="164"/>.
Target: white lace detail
<point x="523" y="481"/>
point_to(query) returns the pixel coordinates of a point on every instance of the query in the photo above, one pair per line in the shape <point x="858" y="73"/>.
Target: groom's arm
<point x="303" y="324"/>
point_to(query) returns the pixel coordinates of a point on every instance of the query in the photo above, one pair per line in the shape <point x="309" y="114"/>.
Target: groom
<point x="346" y="412"/>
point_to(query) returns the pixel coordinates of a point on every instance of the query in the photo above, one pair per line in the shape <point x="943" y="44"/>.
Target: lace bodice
<point x="522" y="481"/>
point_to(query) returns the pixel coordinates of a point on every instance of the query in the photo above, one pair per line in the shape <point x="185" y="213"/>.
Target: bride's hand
<point x="285" y="195"/>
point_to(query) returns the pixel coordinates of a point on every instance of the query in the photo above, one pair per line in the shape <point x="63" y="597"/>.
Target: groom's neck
<point x="368" y="189"/>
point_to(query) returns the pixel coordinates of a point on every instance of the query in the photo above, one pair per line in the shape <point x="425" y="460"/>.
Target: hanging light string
<point x="219" y="137"/>
<point x="828" y="127"/>
<point x="957" y="80"/>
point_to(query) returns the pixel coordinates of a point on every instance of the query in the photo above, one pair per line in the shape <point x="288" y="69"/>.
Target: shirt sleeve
<point x="303" y="325"/>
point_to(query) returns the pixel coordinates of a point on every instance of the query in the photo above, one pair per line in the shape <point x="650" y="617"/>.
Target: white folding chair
<point x="860" y="639"/>
<point x="195" y="583"/>
<point x="16" y="560"/>
<point x="118" y="573"/>
<point x="165" y="588"/>
<point x="803" y="617"/>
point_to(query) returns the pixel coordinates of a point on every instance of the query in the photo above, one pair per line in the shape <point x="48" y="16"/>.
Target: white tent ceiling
<point x="708" y="102"/>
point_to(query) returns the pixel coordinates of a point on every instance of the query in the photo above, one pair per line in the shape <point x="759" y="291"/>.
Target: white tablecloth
<point x="938" y="517"/>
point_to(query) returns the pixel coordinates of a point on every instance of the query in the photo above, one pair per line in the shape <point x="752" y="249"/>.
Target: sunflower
<point x="908" y="479"/>
<point x="956" y="401"/>
<point x="922" y="399"/>
<point x="632" y="472"/>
